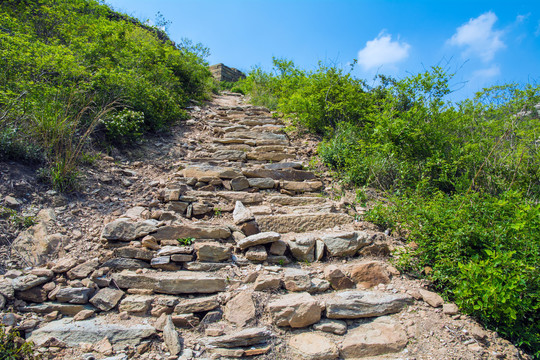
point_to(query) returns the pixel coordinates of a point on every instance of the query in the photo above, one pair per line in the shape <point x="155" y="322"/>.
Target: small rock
<point x="240" y="309"/>
<point x="83" y="315"/>
<point x="433" y="299"/>
<point x="337" y="327"/>
<point x="295" y="310"/>
<point x="450" y="309"/>
<point x="241" y="214"/>
<point x="106" y="298"/>
<point x="338" y="280"/>
<point x="171" y="338"/>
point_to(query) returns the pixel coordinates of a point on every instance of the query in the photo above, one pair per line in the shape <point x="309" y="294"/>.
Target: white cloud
<point x="487" y="73"/>
<point x="479" y="37"/>
<point x="522" y="18"/>
<point x="382" y="51"/>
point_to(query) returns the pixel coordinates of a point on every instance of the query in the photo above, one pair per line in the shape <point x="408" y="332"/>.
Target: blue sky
<point x="484" y="42"/>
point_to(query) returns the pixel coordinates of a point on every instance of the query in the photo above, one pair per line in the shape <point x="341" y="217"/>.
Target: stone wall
<point x="224" y="73"/>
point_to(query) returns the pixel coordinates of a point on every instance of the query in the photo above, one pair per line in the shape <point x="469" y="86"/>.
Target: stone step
<point x="174" y="283"/>
<point x="301" y="222"/>
<point x="286" y="174"/>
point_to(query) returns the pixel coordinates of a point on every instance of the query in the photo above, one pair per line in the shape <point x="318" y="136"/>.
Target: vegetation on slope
<point x="74" y="70"/>
<point x="462" y="180"/>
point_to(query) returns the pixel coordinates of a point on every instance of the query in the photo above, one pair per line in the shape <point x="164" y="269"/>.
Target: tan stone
<point x="240" y="310"/>
<point x="313" y="346"/>
<point x="382" y="336"/>
<point x="285" y="223"/>
<point x="370" y="274"/>
<point x="433" y="299"/>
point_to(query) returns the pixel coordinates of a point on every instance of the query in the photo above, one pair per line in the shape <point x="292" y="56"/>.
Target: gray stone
<point x="295" y="310"/>
<point x="261" y="183"/>
<point x="182" y="257"/>
<point x="26" y="282"/>
<point x="303" y="247"/>
<point x="287" y="174"/>
<point x="284" y="165"/>
<point x="278" y="248"/>
<point x="180" y="282"/>
<point x="204" y="266"/>
<point x="134" y="253"/>
<point x="241" y="214"/>
<point x="239" y="183"/>
<point x="63" y="308"/>
<point x="92" y="331"/>
<point x="36" y="295"/>
<point x="126" y="230"/>
<point x="296" y="280"/>
<point x="362" y="304"/>
<point x="345" y="244"/>
<point x="83" y="270"/>
<point x="74" y="295"/>
<point x="122" y="263"/>
<point x="171" y="338"/>
<point x="6" y="288"/>
<point x="243" y="338"/>
<point x="197" y="231"/>
<point x="106" y="298"/>
<point x="231" y="155"/>
<point x="259" y="239"/>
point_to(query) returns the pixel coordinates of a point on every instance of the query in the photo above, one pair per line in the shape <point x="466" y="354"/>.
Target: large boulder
<point x="127" y="230"/>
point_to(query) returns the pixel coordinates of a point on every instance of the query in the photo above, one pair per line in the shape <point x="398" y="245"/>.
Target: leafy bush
<point x="124" y="127"/>
<point x="482" y="250"/>
<point x="66" y="63"/>
<point x="462" y="180"/>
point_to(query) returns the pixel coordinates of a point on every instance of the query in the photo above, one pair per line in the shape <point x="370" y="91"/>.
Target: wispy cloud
<point x="487" y="73"/>
<point x="382" y="51"/>
<point x="479" y="37"/>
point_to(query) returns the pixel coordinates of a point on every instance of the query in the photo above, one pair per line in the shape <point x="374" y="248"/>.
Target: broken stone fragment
<point x="241" y="214"/>
<point x="107" y="298"/>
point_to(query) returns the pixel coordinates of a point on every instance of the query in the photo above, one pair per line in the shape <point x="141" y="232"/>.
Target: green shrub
<point x="124" y="127"/>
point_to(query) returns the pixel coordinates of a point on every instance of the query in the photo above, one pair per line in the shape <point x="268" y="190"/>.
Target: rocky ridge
<point x="223" y="245"/>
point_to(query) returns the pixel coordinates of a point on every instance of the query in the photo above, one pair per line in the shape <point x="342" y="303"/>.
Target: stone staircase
<point x="239" y="255"/>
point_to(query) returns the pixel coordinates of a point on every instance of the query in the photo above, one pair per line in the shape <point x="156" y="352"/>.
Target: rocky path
<point x="235" y="251"/>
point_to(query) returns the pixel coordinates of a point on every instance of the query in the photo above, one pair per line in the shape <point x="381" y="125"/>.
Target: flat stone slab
<point x="179" y="282"/>
<point x="259" y="239"/>
<point x="62" y="308"/>
<point x="301" y="222"/>
<point x="382" y="336"/>
<point x="175" y="232"/>
<point x="247" y="337"/>
<point x="206" y="170"/>
<point x="296" y="200"/>
<point x="363" y="304"/>
<point x="287" y="174"/>
<point x="91" y="331"/>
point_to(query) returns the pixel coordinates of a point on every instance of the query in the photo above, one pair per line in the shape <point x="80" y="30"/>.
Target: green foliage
<point x="186" y="241"/>
<point x="124" y="127"/>
<point x="463" y="180"/>
<point x="66" y="63"/>
<point x="482" y="250"/>
<point x="13" y="347"/>
<point x="19" y="221"/>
